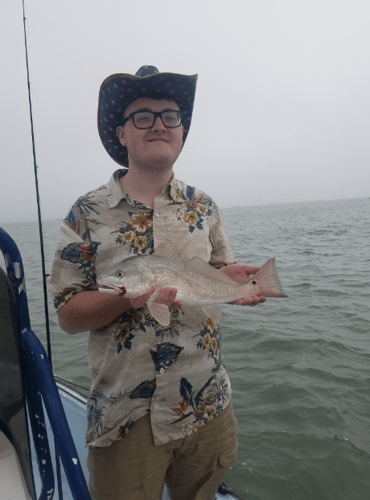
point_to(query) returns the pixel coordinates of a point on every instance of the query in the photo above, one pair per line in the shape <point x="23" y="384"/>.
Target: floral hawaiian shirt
<point x="175" y="373"/>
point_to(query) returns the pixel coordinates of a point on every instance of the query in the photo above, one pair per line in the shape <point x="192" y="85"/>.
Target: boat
<point x="42" y="420"/>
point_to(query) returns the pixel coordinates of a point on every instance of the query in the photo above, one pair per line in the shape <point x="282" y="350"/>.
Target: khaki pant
<point x="192" y="467"/>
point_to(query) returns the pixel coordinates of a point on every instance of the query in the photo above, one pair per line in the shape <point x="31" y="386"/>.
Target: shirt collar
<point x="173" y="188"/>
<point x="116" y="193"/>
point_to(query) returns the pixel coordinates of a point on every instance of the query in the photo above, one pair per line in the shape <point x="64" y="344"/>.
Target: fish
<point x="198" y="284"/>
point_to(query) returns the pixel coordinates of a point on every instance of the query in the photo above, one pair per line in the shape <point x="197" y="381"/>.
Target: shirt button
<point x="156" y="406"/>
<point x="161" y="370"/>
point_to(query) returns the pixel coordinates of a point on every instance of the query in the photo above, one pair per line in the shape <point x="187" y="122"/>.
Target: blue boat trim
<point x="41" y="389"/>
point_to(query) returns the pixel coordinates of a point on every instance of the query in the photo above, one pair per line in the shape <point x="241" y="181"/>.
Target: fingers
<point x="251" y="301"/>
<point x="167" y="296"/>
<point x="142" y="299"/>
<point x="240" y="273"/>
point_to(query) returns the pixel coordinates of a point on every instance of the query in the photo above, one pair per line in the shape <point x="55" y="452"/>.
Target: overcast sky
<point x="282" y="108"/>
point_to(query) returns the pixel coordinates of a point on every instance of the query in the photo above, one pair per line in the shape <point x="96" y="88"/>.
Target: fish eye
<point x="254" y="282"/>
<point x="120" y="274"/>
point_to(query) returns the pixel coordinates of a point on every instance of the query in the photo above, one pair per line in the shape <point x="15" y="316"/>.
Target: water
<point x="299" y="367"/>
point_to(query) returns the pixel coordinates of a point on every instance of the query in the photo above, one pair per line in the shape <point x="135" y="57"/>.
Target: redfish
<point x="198" y="284"/>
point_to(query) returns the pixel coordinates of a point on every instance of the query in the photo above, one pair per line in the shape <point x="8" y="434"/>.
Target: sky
<point x="282" y="107"/>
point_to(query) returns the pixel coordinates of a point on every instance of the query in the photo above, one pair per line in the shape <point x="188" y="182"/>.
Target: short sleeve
<point x="221" y="252"/>
<point x="73" y="266"/>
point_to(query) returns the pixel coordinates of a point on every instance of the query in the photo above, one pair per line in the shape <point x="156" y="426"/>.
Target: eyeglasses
<point x="145" y="119"/>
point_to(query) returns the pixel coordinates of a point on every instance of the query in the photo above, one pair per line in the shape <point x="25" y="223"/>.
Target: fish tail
<point x="268" y="280"/>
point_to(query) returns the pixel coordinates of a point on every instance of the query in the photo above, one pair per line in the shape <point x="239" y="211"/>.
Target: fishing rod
<point x="35" y="167"/>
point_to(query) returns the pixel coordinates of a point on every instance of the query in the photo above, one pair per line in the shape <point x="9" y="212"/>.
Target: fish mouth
<point x="113" y="289"/>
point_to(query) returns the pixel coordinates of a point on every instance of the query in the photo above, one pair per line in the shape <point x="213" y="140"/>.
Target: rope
<point x="44" y="275"/>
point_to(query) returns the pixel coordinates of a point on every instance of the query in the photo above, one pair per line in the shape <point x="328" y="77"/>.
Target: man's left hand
<point x="241" y="273"/>
<point x="250" y="301"/>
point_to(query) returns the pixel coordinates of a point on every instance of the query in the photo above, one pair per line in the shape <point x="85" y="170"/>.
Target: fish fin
<point x="213" y="312"/>
<point x="160" y="312"/>
<point x="268" y="280"/>
<point x="197" y="264"/>
<point x="168" y="251"/>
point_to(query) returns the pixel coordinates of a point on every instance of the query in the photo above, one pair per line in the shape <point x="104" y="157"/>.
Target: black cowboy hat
<point x="119" y="90"/>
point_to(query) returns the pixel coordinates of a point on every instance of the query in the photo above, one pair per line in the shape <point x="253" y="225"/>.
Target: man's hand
<point x="241" y="273"/>
<point x="166" y="296"/>
<point x="250" y="301"/>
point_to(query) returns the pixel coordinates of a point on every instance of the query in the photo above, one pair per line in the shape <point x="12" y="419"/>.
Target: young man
<point x="160" y="408"/>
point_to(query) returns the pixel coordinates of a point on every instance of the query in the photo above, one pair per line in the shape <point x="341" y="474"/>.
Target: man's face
<point x="157" y="146"/>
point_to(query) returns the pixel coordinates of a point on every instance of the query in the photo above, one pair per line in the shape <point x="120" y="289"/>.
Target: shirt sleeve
<point x="73" y="265"/>
<point x="221" y="252"/>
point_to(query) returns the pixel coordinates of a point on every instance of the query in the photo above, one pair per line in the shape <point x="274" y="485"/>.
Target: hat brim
<point x="119" y="90"/>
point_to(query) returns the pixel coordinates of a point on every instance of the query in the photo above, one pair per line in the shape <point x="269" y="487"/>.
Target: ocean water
<point x="299" y="366"/>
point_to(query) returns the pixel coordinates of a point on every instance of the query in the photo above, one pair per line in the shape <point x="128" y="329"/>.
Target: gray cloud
<point x="282" y="106"/>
